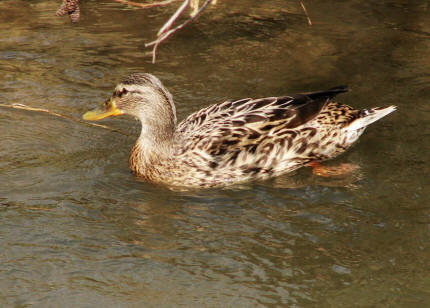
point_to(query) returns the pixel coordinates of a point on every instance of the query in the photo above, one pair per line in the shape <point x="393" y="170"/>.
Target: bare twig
<point x="194" y="5"/>
<point x="164" y="35"/>
<point x="146" y="5"/>
<point x="306" y="13"/>
<point x="28" y="108"/>
<point x="165" y="30"/>
<point x="172" y="19"/>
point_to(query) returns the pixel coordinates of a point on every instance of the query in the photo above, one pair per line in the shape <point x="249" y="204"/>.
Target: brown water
<point x="78" y="230"/>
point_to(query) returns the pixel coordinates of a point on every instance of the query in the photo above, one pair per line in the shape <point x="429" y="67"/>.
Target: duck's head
<point x="142" y="96"/>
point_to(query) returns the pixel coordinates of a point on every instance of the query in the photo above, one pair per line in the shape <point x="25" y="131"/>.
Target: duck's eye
<point x="120" y="93"/>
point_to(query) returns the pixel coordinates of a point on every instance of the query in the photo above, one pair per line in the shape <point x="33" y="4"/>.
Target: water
<point x="78" y="230"/>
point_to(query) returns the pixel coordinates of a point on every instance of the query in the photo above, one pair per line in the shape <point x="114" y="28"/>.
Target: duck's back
<point x="259" y="138"/>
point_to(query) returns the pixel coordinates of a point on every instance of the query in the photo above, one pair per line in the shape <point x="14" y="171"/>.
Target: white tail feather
<point x="369" y="116"/>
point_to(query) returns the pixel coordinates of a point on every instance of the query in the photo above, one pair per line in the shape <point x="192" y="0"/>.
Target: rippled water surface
<point x="78" y="230"/>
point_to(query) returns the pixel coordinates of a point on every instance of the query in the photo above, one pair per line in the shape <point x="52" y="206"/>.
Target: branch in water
<point x="28" y="108"/>
<point x="146" y="5"/>
<point x="306" y="13"/>
<point x="172" y="19"/>
<point x="164" y="31"/>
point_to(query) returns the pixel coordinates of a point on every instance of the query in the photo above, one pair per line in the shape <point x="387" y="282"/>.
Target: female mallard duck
<point x="233" y="141"/>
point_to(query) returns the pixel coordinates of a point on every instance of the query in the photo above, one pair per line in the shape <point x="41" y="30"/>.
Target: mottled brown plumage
<point x="233" y="141"/>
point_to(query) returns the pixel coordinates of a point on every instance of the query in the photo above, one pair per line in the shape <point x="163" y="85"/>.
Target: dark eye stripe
<point x="120" y="93"/>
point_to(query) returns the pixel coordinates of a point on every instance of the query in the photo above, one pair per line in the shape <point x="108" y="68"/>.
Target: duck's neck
<point x="153" y="148"/>
<point x="156" y="138"/>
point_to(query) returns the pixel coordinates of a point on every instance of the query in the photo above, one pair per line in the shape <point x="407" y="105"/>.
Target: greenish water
<point x="78" y="230"/>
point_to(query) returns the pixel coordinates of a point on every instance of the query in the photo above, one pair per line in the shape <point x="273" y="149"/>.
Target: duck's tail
<point x="368" y="116"/>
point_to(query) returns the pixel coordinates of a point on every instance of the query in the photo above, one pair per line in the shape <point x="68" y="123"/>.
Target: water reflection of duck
<point x="233" y="141"/>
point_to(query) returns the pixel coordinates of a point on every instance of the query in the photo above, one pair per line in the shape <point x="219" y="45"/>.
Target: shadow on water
<point x="77" y="229"/>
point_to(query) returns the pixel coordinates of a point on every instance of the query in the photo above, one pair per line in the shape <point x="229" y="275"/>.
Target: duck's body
<point x="233" y="141"/>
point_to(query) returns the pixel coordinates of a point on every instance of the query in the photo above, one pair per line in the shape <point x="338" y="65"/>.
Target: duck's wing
<point x="248" y="125"/>
<point x="286" y="111"/>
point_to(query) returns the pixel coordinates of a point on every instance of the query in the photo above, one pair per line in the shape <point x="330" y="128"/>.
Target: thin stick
<point x="154" y="52"/>
<point x="28" y="108"/>
<point x="146" y="5"/>
<point x="306" y="13"/>
<point x="165" y="35"/>
<point x="172" y="19"/>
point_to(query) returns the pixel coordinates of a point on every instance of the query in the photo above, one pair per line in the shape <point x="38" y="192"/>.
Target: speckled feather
<point x="236" y="141"/>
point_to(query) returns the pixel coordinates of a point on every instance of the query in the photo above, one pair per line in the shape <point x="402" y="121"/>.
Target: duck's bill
<point x="108" y="109"/>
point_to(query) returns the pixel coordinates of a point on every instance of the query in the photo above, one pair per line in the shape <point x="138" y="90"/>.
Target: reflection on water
<point x="77" y="229"/>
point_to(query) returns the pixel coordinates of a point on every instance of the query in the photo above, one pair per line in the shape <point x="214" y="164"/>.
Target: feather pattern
<point x="239" y="140"/>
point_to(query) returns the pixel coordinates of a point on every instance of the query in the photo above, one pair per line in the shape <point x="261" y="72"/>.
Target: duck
<point x="235" y="140"/>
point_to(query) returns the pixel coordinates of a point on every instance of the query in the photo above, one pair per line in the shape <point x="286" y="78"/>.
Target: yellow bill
<point x="106" y="110"/>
